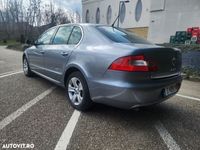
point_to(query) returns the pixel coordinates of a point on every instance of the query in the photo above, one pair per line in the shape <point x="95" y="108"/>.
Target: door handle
<point x="42" y="52"/>
<point x="64" y="53"/>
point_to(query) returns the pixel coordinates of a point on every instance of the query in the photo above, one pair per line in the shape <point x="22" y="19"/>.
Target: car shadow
<point x="166" y="111"/>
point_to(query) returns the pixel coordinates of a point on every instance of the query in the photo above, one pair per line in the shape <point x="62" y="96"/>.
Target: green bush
<point x="184" y="48"/>
<point x="190" y="72"/>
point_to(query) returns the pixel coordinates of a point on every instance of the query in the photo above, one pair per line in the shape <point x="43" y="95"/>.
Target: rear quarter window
<point x="75" y="36"/>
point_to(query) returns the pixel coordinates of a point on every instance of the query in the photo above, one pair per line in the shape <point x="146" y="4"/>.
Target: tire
<point x="26" y="68"/>
<point x="78" y="92"/>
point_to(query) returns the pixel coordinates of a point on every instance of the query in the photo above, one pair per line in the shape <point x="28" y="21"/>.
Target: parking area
<point x="35" y="111"/>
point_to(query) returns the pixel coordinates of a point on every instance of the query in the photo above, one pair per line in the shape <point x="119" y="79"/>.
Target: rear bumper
<point x="126" y="95"/>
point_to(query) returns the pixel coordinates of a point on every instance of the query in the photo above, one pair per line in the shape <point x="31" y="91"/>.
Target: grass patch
<point x="11" y="44"/>
<point x="8" y="42"/>
<point x="18" y="47"/>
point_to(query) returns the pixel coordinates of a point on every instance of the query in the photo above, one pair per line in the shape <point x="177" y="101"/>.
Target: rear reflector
<point x="132" y="63"/>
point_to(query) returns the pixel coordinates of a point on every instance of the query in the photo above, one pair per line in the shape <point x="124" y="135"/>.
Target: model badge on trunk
<point x="173" y="61"/>
<point x="173" y="64"/>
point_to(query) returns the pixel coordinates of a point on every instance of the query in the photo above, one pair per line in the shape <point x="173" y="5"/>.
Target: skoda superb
<point x="104" y="64"/>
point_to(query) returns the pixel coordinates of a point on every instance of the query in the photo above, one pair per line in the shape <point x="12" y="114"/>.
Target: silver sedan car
<point x="104" y="64"/>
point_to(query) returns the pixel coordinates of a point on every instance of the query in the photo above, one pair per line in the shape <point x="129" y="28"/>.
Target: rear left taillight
<point x="133" y="64"/>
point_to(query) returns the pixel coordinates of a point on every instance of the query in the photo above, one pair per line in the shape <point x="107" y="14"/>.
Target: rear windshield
<point x="120" y="35"/>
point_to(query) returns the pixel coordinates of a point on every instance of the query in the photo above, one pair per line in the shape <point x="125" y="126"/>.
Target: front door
<point x="36" y="55"/>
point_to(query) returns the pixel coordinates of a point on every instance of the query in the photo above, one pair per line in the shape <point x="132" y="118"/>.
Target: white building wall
<point x="176" y="15"/>
<point x="129" y="21"/>
<point x="163" y="17"/>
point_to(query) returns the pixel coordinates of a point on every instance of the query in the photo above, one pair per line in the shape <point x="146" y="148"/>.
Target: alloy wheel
<point x="25" y="66"/>
<point x="75" y="91"/>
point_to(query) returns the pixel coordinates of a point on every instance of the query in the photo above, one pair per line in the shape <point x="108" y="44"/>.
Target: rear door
<point x="58" y="53"/>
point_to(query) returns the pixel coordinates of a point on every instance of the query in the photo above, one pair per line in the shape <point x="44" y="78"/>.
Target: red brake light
<point x="132" y="63"/>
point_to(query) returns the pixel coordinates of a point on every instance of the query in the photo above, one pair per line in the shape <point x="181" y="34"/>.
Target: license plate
<point x="170" y="90"/>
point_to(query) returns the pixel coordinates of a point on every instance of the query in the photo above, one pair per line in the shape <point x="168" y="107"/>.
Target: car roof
<point x="82" y="24"/>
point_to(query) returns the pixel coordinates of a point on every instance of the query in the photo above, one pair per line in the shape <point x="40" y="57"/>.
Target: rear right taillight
<point x="133" y="64"/>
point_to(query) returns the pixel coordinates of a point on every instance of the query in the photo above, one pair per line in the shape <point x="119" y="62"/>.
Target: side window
<point x="62" y="35"/>
<point x="75" y="36"/>
<point x="46" y="37"/>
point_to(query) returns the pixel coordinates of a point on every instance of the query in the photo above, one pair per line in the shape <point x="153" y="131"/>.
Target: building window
<point x="138" y="10"/>
<point x="122" y="12"/>
<point x="109" y="14"/>
<point x="87" y="17"/>
<point x="98" y="16"/>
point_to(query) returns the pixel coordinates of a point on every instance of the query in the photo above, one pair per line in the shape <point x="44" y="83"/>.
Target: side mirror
<point x="27" y="44"/>
<point x="36" y="43"/>
<point x="30" y="42"/>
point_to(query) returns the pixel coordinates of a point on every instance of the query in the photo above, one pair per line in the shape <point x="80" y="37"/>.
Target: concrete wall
<point x="170" y="16"/>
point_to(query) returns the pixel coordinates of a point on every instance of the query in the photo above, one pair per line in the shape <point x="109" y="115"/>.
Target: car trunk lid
<point x="167" y="61"/>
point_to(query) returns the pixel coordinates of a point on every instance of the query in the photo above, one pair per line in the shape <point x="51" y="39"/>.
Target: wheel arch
<point x="24" y="55"/>
<point x="71" y="69"/>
